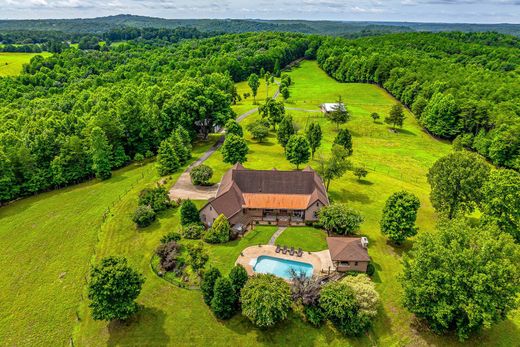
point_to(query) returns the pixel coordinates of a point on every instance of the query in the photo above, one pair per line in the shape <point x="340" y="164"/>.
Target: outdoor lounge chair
<point x="284" y="250"/>
<point x="291" y="252"/>
<point x="278" y="249"/>
<point x="300" y="252"/>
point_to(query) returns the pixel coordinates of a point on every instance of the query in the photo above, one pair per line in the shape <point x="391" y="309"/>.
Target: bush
<point x="266" y="300"/>
<point x="197" y="256"/>
<point x="259" y="131"/>
<point x="232" y="127"/>
<point x="219" y="231"/>
<point x="365" y="292"/>
<point x="201" y="174"/>
<point x="340" y="219"/>
<point x="143" y="216"/>
<point x="157" y="198"/>
<point x="224" y="299"/>
<point x="314" y="315"/>
<point x="171" y="236"/>
<point x="371" y="269"/>
<point x="168" y="253"/>
<point x="193" y="231"/>
<point x="207" y="284"/>
<point x="339" y="305"/>
<point x="189" y="213"/>
<point x="138" y="157"/>
<point x="238" y="277"/>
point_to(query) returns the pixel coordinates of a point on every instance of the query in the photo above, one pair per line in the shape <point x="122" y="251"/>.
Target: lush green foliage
<point x="462" y="278"/>
<point x="399" y="216"/>
<point x="238" y="277"/>
<point x="113" y="288"/>
<point x="168" y="253"/>
<point x="273" y="111"/>
<point x="224" y="300"/>
<point x="285" y="130"/>
<point x="340" y="306"/>
<point x="365" y="293"/>
<point x="189" y="213"/>
<point x="314" y="136"/>
<point x="192" y="231"/>
<point x="208" y="283"/>
<point x="501" y="201"/>
<point x="396" y="116"/>
<point x="100" y="152"/>
<point x="259" y="130"/>
<point x="456" y="84"/>
<point x="456" y="181"/>
<point x="360" y="172"/>
<point x="201" y="174"/>
<point x="171" y="236"/>
<point x="198" y="255"/>
<point x="234" y="150"/>
<point x="340" y="219"/>
<point x="232" y="127"/>
<point x="335" y="166"/>
<point x="266" y="300"/>
<point x="157" y="198"/>
<point x="219" y="231"/>
<point x="344" y="139"/>
<point x="167" y="159"/>
<point x="297" y="150"/>
<point x="143" y="216"/>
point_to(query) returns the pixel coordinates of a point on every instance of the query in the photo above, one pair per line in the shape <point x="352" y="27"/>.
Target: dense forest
<point x="338" y="28"/>
<point x="133" y="96"/>
<point x="460" y="86"/>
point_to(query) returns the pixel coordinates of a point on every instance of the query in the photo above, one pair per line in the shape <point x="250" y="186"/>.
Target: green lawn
<point x="308" y="238"/>
<point x="247" y="104"/>
<point x="11" y="63"/>
<point x="60" y="232"/>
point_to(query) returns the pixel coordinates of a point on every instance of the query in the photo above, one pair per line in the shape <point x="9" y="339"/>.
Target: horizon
<point x="411" y="11"/>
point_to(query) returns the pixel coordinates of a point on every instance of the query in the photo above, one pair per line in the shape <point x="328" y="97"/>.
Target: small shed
<point x="349" y="253"/>
<point x="332" y="106"/>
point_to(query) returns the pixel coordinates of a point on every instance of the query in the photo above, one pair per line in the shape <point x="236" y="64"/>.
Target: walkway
<point x="184" y="189"/>
<point x="276" y="234"/>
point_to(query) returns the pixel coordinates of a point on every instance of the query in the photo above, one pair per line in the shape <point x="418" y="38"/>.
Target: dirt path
<point x="184" y="189"/>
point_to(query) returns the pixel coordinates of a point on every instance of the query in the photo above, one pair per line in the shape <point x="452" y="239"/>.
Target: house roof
<point x="276" y="201"/>
<point x="241" y="187"/>
<point x="347" y="249"/>
<point x="333" y="106"/>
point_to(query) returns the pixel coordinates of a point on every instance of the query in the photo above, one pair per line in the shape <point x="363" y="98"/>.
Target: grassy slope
<point x="11" y="63"/>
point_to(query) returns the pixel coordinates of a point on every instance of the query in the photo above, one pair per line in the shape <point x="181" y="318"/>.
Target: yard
<point x="11" y="63"/>
<point x="49" y="240"/>
<point x="307" y="238"/>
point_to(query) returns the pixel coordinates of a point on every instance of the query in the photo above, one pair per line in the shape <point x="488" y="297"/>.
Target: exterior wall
<point x="309" y="212"/>
<point x="360" y="267"/>
<point x="208" y="215"/>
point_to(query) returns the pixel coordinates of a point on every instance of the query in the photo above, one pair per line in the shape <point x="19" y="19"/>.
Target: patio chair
<point x="300" y="252"/>
<point x="284" y="250"/>
<point x="278" y="249"/>
<point x="291" y="252"/>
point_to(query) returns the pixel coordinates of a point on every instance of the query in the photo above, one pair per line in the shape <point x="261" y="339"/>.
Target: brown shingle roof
<point x="347" y="249"/>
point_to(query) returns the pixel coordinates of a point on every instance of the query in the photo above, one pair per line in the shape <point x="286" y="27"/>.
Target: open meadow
<point x="11" y="63"/>
<point x="49" y="240"/>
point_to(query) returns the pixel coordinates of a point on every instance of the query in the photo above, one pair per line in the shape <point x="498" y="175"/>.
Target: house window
<point x="318" y="203"/>
<point x="210" y="208"/>
<point x="344" y="263"/>
<point x="355" y="264"/>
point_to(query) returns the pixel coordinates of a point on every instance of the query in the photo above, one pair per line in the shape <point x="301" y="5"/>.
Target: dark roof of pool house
<point x="347" y="249"/>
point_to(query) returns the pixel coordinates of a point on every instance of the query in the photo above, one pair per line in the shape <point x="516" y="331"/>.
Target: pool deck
<point x="321" y="261"/>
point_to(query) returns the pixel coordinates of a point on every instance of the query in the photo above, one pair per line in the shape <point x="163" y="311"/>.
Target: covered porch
<point x="277" y="216"/>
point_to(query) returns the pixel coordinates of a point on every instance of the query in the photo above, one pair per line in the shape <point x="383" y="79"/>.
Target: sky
<point x="452" y="11"/>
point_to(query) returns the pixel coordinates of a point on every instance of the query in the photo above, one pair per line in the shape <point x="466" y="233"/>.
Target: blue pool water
<point x="281" y="267"/>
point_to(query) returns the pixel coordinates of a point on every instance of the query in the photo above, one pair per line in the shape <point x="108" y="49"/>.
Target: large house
<point x="266" y="197"/>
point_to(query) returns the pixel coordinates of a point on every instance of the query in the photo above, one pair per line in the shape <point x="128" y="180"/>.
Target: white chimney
<point x="364" y="242"/>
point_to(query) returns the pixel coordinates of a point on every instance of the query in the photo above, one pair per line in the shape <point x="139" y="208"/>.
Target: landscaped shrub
<point x="314" y="315"/>
<point x="340" y="306"/>
<point x="371" y="269"/>
<point x="168" y="253"/>
<point x="208" y="283"/>
<point x="171" y="236"/>
<point x="340" y="219"/>
<point x="143" y="216"/>
<point x="113" y="286"/>
<point x="266" y="300"/>
<point x="365" y="292"/>
<point x="157" y="198"/>
<point x="219" y="231"/>
<point x="189" y="213"/>
<point x="238" y="277"/>
<point x="201" y="175"/>
<point x="223" y="303"/>
<point x="304" y="288"/>
<point x="197" y="256"/>
<point x="192" y="231"/>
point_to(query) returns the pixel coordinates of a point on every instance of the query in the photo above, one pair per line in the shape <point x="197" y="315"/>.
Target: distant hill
<point x="338" y="28"/>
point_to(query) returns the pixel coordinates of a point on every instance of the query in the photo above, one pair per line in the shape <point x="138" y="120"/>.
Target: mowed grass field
<point x="40" y="312"/>
<point x="11" y="63"/>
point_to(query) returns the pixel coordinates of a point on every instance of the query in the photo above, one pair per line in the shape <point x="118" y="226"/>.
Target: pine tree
<point x="167" y="160"/>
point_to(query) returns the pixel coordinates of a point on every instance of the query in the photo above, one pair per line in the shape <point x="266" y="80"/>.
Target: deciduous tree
<point x="224" y="301"/>
<point x="254" y="82"/>
<point x="285" y="130"/>
<point x="100" y="152"/>
<point x="208" y="283"/>
<point x="234" y="150"/>
<point x="297" y="150"/>
<point x="344" y="139"/>
<point x="340" y="219"/>
<point x="314" y="136"/>
<point x="189" y="213"/>
<point x="399" y="216"/>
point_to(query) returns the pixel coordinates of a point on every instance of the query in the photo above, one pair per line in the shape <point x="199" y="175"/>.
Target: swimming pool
<point x="281" y="267"/>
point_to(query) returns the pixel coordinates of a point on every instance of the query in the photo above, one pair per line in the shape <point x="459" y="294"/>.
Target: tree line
<point x="73" y="115"/>
<point x="462" y="87"/>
